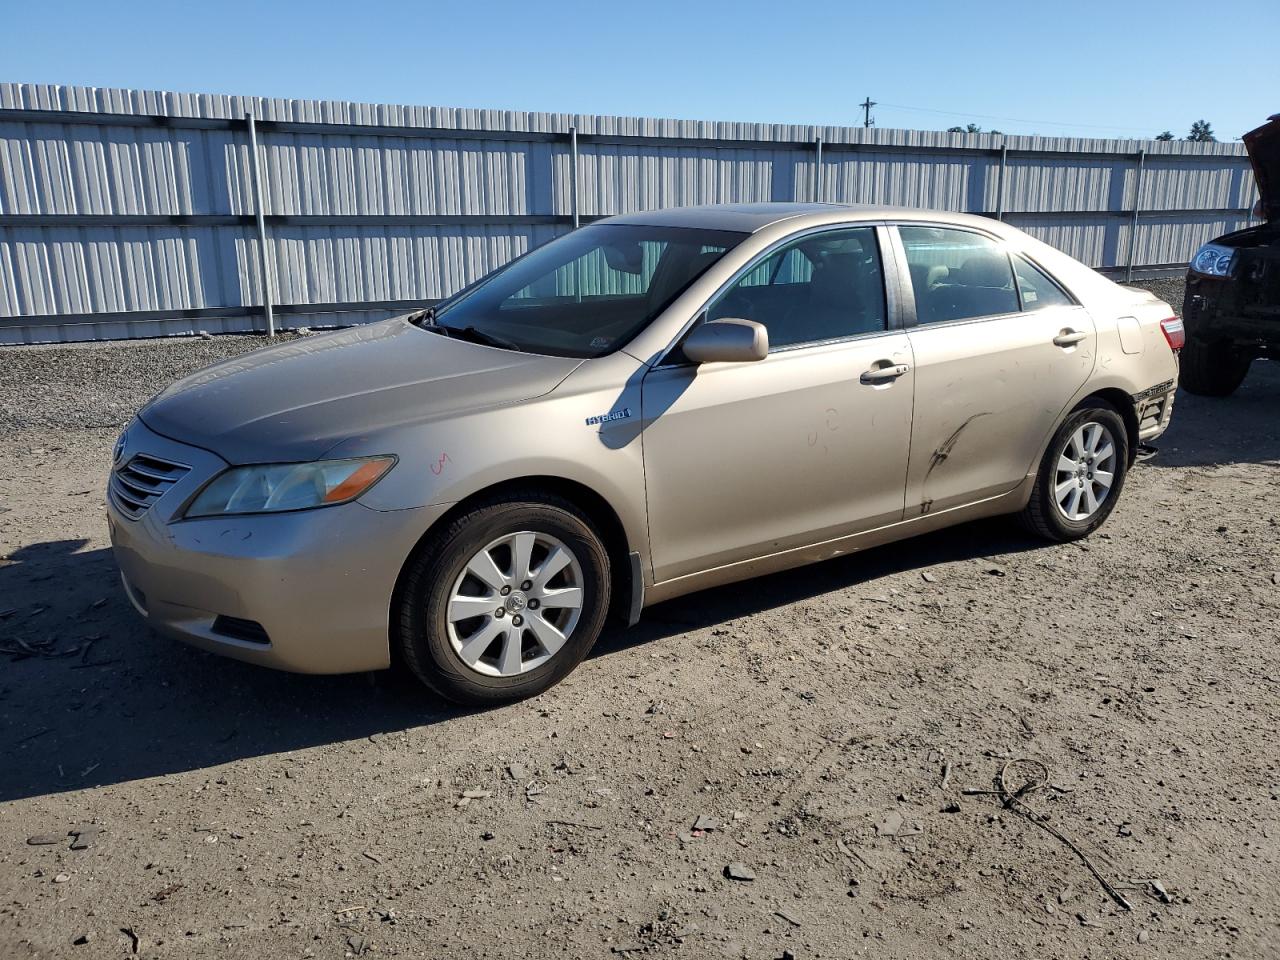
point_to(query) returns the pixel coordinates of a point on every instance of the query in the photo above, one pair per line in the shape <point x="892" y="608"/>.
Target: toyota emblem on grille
<point x="118" y="452"/>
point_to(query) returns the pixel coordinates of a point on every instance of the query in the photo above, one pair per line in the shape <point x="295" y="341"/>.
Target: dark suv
<point x="1232" y="308"/>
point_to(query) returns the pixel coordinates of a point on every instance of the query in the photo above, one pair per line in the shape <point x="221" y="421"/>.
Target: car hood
<point x="294" y="401"/>
<point x="1263" y="145"/>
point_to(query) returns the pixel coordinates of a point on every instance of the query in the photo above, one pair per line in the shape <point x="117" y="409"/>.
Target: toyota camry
<point x="644" y="407"/>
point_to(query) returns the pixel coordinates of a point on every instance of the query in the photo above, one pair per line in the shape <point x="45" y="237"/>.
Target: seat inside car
<point x="843" y="299"/>
<point x="983" y="286"/>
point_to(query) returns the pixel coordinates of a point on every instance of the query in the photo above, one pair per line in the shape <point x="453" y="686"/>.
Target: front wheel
<point x="505" y="601"/>
<point x="1080" y="476"/>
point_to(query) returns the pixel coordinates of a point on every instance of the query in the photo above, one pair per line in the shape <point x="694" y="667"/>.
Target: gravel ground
<point x="831" y="720"/>
<point x="89" y="385"/>
<point x="1169" y="290"/>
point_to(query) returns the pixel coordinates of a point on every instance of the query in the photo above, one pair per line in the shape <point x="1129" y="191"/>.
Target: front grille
<point x="1257" y="282"/>
<point x="140" y="482"/>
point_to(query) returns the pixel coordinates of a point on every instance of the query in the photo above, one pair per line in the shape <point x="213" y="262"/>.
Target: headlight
<point x="275" y="487"/>
<point x="1213" y="260"/>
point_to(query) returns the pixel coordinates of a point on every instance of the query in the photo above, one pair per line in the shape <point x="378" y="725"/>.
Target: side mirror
<point x="727" y="341"/>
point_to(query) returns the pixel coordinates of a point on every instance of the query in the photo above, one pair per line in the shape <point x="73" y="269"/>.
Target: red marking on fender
<point x="438" y="467"/>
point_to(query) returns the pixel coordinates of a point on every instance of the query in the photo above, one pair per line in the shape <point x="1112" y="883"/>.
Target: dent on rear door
<point x="988" y="394"/>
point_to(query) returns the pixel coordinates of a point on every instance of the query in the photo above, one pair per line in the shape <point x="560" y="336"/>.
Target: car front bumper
<point x="1243" y="310"/>
<point x="308" y="591"/>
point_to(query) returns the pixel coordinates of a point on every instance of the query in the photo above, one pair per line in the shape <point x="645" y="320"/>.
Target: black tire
<point x="1042" y="515"/>
<point x="1212" y="368"/>
<point x="422" y="626"/>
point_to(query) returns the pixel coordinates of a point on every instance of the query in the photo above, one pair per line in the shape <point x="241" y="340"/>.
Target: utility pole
<point x="866" y="105"/>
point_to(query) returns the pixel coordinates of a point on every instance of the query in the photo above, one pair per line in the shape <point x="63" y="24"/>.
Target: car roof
<point x="751" y="217"/>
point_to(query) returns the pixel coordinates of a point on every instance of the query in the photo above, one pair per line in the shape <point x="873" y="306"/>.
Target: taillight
<point x="1174" y="332"/>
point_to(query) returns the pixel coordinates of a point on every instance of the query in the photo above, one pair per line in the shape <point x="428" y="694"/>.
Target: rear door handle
<point x="885" y="374"/>
<point x="1069" y="338"/>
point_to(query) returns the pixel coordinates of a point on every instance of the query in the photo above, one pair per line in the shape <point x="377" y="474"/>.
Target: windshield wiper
<point x="427" y="320"/>
<point x="481" y="336"/>
<point x="425" y="317"/>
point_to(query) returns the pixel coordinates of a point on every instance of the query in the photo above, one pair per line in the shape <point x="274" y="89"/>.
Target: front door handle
<point x="885" y="374"/>
<point x="1069" y="338"/>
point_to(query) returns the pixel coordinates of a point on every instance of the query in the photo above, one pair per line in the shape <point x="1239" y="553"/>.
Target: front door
<point x="1000" y="350"/>
<point x="748" y="459"/>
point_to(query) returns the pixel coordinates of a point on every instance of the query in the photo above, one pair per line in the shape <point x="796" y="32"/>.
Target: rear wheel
<point x="1212" y="368"/>
<point x="505" y="601"/>
<point x="1080" y="476"/>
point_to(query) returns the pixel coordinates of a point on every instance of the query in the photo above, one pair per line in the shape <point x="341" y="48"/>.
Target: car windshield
<point x="585" y="294"/>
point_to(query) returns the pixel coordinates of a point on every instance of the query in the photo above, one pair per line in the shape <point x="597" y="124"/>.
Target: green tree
<point x="970" y="128"/>
<point x="1201" y="132"/>
<point x="1167" y="135"/>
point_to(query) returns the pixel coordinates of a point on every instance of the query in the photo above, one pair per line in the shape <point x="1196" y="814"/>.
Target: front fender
<point x="588" y="431"/>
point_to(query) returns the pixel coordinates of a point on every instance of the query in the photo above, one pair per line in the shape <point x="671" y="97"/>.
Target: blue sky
<point x="1082" y="68"/>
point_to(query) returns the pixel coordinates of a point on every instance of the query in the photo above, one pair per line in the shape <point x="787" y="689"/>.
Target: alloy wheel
<point x="515" y="604"/>
<point x="1086" y="470"/>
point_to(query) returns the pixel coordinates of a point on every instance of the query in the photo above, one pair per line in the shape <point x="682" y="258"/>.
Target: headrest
<point x="835" y="282"/>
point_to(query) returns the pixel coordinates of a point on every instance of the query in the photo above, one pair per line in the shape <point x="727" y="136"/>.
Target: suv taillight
<point x="1174" y="332"/>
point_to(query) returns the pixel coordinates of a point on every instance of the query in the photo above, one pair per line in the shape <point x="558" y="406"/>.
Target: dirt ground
<point x="830" y="720"/>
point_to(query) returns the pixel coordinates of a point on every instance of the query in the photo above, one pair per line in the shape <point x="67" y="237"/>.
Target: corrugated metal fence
<point x="130" y="213"/>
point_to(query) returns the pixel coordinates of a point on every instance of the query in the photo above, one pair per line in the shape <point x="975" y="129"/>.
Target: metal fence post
<point x="264" y="259"/>
<point x="817" y="175"/>
<point x="573" y="173"/>
<point x="1133" y="222"/>
<point x="1004" y="159"/>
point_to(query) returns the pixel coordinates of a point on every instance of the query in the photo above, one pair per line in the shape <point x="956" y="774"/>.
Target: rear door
<point x="748" y="459"/>
<point x="1000" y="349"/>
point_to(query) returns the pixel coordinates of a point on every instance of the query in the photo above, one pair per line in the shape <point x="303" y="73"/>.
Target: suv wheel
<point x="1212" y="368"/>
<point x="1080" y="476"/>
<point x="505" y="601"/>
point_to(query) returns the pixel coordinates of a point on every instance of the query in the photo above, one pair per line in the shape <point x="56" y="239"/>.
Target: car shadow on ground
<point x="1241" y="428"/>
<point x="89" y="696"/>
<point x="102" y="699"/>
<point x="970" y="541"/>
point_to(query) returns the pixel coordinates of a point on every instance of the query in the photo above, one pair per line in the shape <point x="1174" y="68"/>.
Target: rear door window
<point x="957" y="275"/>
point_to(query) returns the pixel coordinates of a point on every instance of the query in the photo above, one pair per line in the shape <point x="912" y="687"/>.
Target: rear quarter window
<point x="1038" y="290"/>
